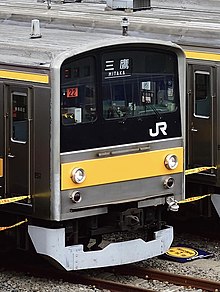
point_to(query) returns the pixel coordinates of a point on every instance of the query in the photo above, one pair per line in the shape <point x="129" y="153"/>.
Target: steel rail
<point x="110" y="285"/>
<point x="182" y="280"/>
<point x="42" y="269"/>
<point x="78" y="278"/>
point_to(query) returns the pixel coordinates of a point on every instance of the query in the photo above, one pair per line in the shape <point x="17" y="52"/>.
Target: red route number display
<point x="72" y="92"/>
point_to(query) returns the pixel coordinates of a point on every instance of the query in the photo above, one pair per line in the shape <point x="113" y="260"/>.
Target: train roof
<point x="76" y="25"/>
<point x="18" y="48"/>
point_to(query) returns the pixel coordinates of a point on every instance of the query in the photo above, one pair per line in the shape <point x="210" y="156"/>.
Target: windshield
<point x="136" y="84"/>
<point x="117" y="95"/>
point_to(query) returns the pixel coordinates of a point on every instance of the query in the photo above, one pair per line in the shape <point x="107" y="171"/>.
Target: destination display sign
<point x="116" y="68"/>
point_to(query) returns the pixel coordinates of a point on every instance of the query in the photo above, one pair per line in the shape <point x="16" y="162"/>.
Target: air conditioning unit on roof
<point x="129" y="4"/>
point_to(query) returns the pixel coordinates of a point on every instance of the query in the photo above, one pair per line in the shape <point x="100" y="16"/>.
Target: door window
<point x="19" y="117"/>
<point x="202" y="101"/>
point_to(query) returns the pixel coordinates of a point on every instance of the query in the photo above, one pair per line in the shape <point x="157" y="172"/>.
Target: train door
<point x="201" y="100"/>
<point x="1" y="142"/>
<point x="17" y="113"/>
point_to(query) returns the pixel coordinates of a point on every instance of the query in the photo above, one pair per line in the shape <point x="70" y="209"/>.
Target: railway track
<point x="182" y="280"/>
<point x="43" y="270"/>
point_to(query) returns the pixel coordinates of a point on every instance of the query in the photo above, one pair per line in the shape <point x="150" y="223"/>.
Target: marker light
<point x="78" y="175"/>
<point x="171" y="161"/>
<point x="169" y="183"/>
<point x="76" y="197"/>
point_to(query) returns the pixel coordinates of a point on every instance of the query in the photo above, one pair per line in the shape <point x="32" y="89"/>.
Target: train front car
<point x="116" y="152"/>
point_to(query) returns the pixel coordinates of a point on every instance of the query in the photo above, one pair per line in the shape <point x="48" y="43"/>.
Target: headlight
<point x="78" y="175"/>
<point x="171" y="161"/>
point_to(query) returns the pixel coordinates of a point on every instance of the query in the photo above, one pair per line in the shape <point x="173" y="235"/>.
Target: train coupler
<point x="131" y="219"/>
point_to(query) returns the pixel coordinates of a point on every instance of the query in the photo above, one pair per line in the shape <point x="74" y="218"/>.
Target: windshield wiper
<point x="157" y="113"/>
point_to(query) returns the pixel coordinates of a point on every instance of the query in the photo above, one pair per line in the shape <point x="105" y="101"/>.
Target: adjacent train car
<point x="203" y="69"/>
<point x="91" y="131"/>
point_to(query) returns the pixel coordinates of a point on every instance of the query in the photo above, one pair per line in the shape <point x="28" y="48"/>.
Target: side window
<point x="78" y="100"/>
<point x="19" y="117"/>
<point x="202" y="94"/>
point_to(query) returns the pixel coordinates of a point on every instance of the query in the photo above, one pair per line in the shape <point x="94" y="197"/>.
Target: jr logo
<point x="161" y="126"/>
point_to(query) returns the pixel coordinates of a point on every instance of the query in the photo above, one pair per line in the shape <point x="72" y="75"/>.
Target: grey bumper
<point x="51" y="242"/>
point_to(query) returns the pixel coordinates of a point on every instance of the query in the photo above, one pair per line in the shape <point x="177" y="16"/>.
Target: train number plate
<point x="72" y="92"/>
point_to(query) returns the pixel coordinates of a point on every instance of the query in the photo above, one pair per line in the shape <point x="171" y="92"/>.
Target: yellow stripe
<point x="24" y="76"/>
<point x="199" y="169"/>
<point x="193" y="199"/>
<point x="121" y="168"/>
<point x="12" y="226"/>
<point x="1" y="167"/>
<point x="13" y="199"/>
<point x="202" y="56"/>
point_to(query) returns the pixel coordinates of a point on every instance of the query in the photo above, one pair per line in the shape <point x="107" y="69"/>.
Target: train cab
<point x="92" y="143"/>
